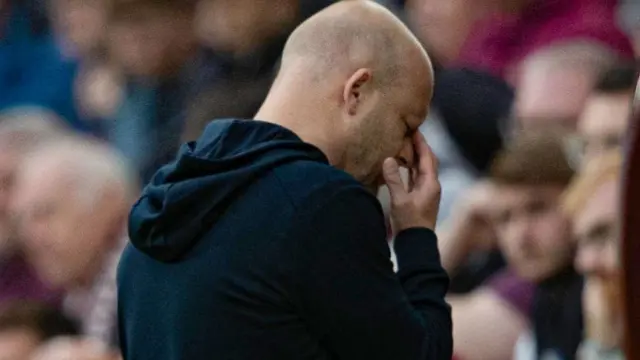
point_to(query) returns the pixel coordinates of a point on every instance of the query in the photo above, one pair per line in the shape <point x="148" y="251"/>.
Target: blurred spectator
<point x="20" y="131"/>
<point x="99" y="92"/>
<point x="80" y="30"/>
<point x="535" y="236"/>
<point x="240" y="27"/>
<point x="69" y="348"/>
<point x="32" y="69"/>
<point x="443" y="26"/>
<point x="604" y="121"/>
<point x="79" y="26"/>
<point x="71" y="202"/>
<point x="154" y="44"/>
<point x="464" y="127"/>
<point x="521" y="205"/>
<point x="520" y="28"/>
<point x="593" y="203"/>
<point x="464" y="131"/>
<point x="245" y="39"/>
<point x="26" y="325"/>
<point x="554" y="83"/>
<point x="236" y="97"/>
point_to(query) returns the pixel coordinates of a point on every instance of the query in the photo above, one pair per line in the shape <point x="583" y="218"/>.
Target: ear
<point x="353" y="89"/>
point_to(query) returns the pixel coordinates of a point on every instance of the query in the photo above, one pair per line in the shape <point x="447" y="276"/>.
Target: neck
<point x="304" y="118"/>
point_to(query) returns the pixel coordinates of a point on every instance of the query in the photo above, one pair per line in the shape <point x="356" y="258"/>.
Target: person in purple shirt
<point x="535" y="303"/>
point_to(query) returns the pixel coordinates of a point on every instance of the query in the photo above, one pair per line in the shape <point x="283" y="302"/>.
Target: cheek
<point x="552" y="234"/>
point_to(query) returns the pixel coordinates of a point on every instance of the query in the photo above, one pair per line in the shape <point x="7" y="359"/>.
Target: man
<point x="535" y="236"/>
<point x="21" y="130"/>
<point x="245" y="38"/>
<point x="71" y="200"/>
<point x="593" y="203"/>
<point x="154" y="46"/>
<point x="265" y="240"/>
<point x="604" y="120"/>
<point x="518" y="207"/>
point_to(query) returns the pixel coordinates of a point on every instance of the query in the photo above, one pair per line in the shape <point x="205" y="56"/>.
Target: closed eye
<point x="408" y="130"/>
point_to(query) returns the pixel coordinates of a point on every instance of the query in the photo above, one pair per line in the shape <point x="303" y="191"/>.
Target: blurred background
<point x="531" y="110"/>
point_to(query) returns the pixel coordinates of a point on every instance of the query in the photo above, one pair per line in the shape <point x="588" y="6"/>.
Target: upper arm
<point x="484" y="318"/>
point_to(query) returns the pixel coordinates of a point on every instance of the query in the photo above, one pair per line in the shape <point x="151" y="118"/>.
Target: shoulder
<point x="320" y="192"/>
<point x="310" y="181"/>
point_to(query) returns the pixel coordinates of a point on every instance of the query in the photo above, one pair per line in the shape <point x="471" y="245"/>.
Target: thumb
<point x="391" y="172"/>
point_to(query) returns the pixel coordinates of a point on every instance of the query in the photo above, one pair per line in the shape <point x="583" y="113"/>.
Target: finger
<point x="391" y="173"/>
<point x="427" y="163"/>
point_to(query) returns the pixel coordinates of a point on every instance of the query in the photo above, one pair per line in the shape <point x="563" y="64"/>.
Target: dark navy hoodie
<point x="251" y="246"/>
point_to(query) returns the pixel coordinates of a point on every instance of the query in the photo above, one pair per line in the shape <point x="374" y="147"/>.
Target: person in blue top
<point x="264" y="239"/>
<point x="33" y="71"/>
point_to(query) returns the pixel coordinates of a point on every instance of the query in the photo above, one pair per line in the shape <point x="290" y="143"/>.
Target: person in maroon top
<point x="498" y="43"/>
<point x="550" y="51"/>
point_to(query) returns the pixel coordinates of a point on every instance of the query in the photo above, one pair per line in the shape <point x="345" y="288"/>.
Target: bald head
<point x="354" y="34"/>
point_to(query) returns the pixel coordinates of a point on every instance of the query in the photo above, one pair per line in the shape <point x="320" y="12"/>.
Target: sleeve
<point x="349" y="294"/>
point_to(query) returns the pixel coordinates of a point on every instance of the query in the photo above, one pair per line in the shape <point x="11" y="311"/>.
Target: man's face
<point x="442" y="25"/>
<point x="532" y="232"/>
<point x="603" y="123"/>
<point x="241" y="26"/>
<point x="81" y="22"/>
<point x="597" y="233"/>
<point x="62" y="234"/>
<point x="386" y="130"/>
<point x="148" y="41"/>
<point x="17" y="344"/>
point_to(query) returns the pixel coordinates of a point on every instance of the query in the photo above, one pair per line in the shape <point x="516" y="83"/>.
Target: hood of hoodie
<point x="186" y="197"/>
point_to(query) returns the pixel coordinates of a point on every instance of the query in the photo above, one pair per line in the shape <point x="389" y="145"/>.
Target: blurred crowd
<point x="530" y="112"/>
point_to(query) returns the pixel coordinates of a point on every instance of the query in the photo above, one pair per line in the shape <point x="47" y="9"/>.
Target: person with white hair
<point x="21" y="130"/>
<point x="71" y="203"/>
